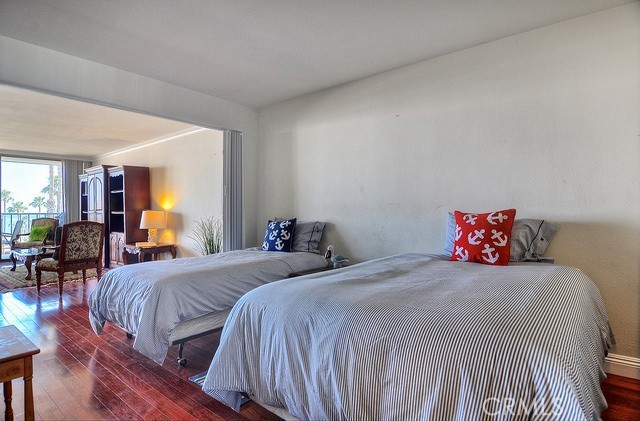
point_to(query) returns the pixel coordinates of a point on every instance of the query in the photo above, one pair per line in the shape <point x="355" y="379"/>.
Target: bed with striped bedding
<point x="151" y="299"/>
<point x="417" y="337"/>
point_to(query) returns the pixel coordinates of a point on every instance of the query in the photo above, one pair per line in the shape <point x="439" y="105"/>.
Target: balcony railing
<point x="9" y="221"/>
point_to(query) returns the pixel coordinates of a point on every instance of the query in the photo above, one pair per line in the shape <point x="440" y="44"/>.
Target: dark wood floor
<point x="623" y="397"/>
<point x="79" y="375"/>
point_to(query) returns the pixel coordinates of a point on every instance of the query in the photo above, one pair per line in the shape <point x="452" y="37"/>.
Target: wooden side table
<point x="16" y="353"/>
<point x="152" y="249"/>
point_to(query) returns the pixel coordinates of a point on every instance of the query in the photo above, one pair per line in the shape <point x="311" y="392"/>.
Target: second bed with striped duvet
<point x="416" y="337"/>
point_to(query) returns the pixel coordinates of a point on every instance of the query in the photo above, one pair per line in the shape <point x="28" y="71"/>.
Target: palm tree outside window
<point x="30" y="188"/>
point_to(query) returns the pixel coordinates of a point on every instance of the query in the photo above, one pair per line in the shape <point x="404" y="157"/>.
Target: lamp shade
<point x="153" y="219"/>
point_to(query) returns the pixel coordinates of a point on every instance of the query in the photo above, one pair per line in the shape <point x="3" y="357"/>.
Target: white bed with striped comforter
<point x="417" y="337"/>
<point x="149" y="300"/>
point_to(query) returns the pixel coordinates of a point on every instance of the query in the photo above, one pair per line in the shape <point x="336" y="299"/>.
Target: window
<point x="31" y="188"/>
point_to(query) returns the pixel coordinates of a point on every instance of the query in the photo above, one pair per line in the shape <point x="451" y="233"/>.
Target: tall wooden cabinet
<point x="93" y="195"/>
<point x="94" y="198"/>
<point x="129" y="195"/>
<point x="115" y="196"/>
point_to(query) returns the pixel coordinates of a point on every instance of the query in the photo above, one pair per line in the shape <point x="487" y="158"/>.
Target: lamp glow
<point x="152" y="221"/>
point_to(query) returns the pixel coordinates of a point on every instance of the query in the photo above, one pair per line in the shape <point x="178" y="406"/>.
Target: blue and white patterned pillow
<point x="279" y="235"/>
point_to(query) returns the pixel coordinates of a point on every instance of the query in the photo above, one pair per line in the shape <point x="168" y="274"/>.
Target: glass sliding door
<point x="31" y="188"/>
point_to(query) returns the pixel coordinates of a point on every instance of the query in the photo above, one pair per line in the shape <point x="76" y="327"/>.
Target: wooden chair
<point x="80" y="249"/>
<point x="36" y="223"/>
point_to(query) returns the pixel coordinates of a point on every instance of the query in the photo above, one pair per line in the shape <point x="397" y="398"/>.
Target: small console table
<point x="142" y="250"/>
<point x="27" y="257"/>
<point x="16" y="352"/>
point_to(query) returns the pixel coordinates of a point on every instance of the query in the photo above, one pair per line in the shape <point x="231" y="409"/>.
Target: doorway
<point x="190" y="180"/>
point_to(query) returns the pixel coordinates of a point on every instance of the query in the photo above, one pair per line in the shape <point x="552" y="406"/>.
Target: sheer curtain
<point x="71" y="169"/>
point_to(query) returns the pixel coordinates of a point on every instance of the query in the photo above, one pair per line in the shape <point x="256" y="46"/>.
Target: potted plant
<point x="208" y="235"/>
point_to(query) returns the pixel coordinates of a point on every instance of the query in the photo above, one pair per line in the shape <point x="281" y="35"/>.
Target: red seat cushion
<point x="483" y="237"/>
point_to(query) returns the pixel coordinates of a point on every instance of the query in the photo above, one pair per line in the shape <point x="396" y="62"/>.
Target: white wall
<point x="42" y="69"/>
<point x="546" y="122"/>
<point x="186" y="181"/>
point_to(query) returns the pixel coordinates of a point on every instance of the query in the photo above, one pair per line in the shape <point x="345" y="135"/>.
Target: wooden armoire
<point x="116" y="196"/>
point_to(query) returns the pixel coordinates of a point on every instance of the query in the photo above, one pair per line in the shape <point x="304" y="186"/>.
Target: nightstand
<point x="142" y="250"/>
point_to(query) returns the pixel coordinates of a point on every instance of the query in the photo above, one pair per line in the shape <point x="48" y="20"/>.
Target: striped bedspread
<point x="150" y="299"/>
<point x="416" y="337"/>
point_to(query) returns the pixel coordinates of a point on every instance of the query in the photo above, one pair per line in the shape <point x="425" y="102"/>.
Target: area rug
<point x="14" y="280"/>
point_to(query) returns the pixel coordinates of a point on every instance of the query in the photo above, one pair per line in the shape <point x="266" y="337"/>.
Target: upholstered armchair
<point x="42" y="233"/>
<point x="80" y="248"/>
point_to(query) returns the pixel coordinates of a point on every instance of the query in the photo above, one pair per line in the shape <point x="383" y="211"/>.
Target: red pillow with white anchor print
<point x="483" y="237"/>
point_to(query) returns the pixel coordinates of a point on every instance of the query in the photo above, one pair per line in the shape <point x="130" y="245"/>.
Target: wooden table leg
<point x="29" y="412"/>
<point x="8" y="411"/>
<point x="27" y="264"/>
<point x="13" y="259"/>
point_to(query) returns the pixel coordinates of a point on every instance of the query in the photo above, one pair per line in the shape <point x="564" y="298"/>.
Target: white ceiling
<point x="252" y="52"/>
<point x="33" y="122"/>
<point x="256" y="52"/>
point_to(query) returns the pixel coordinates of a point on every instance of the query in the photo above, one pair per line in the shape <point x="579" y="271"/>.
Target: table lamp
<point x="152" y="220"/>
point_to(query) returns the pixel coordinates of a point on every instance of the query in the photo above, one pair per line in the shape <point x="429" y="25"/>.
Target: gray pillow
<point x="306" y="236"/>
<point x="529" y="238"/>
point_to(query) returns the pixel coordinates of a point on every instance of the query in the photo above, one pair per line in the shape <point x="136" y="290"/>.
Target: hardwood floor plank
<point x="174" y="386"/>
<point x="80" y="387"/>
<point x="142" y="377"/>
<point x="146" y="391"/>
<point x="119" y="409"/>
<point x="47" y="407"/>
<point x="623" y="397"/>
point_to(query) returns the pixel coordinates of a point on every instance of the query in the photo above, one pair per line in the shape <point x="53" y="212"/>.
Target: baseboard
<point x="621" y="365"/>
